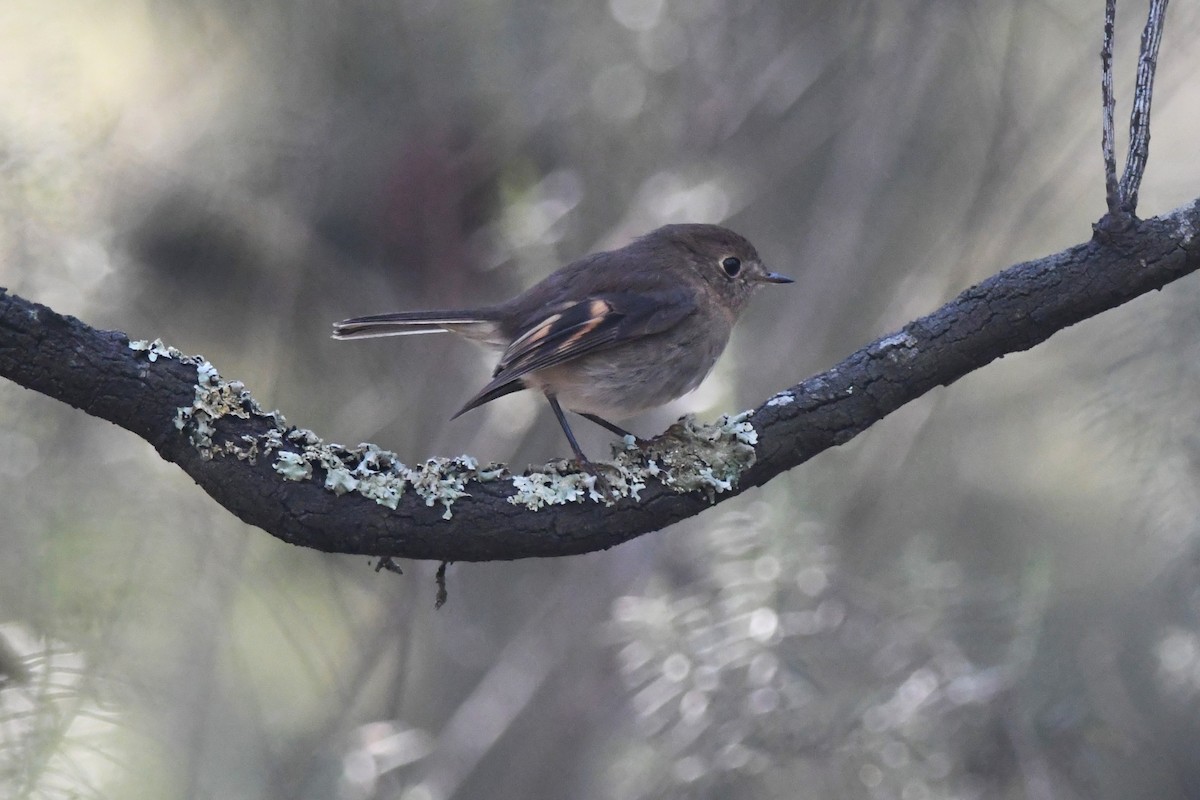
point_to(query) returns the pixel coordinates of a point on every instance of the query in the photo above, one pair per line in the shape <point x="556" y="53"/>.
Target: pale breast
<point x="631" y="378"/>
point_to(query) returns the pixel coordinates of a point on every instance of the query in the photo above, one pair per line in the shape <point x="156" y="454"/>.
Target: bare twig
<point x="1139" y="118"/>
<point x="1112" y="190"/>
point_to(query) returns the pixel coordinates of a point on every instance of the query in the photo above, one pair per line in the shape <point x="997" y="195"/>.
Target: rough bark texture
<point x="1015" y="310"/>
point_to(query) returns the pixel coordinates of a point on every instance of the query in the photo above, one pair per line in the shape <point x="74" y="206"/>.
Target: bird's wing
<point x="570" y="331"/>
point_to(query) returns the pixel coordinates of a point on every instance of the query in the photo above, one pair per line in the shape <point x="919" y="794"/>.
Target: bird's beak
<point x="775" y="277"/>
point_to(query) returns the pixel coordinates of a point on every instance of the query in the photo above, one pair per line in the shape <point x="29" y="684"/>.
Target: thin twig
<point x="1139" y="119"/>
<point x="1111" y="190"/>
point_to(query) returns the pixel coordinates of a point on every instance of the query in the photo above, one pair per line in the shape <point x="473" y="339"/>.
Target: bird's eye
<point x="732" y="266"/>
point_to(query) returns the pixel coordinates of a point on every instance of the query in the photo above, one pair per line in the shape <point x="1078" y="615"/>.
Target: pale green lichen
<point x="214" y="398"/>
<point x="372" y="472"/>
<point x="706" y="457"/>
<point x="380" y="475"/>
<point x="782" y="399"/>
<point x="340" y="481"/>
<point x="741" y="429"/>
<point x="293" y="466"/>
<point x="155" y="349"/>
<point x="539" y="489"/>
<point x="690" y="456"/>
<point x="442" y="480"/>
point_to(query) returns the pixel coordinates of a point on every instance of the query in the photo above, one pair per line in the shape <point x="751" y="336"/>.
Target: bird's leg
<point x="575" y="448"/>
<point x="603" y="423"/>
<point x="602" y="483"/>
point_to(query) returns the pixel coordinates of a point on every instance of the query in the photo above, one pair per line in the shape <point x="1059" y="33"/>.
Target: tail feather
<point x="474" y="324"/>
<point x="489" y="393"/>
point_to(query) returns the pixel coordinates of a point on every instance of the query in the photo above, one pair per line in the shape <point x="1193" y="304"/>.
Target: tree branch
<point x="290" y="483"/>
<point x="236" y="453"/>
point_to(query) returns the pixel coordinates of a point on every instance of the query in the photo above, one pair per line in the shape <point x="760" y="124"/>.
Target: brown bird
<point x="612" y="334"/>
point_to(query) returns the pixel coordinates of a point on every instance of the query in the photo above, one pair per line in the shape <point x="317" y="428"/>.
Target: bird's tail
<point x="478" y="324"/>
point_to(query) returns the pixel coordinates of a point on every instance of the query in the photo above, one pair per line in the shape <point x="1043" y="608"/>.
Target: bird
<point x="610" y="335"/>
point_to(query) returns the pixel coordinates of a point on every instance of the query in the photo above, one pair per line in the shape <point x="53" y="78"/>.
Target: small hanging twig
<point x="388" y="564"/>
<point x="442" y="594"/>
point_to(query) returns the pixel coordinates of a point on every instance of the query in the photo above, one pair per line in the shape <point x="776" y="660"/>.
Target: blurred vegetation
<point x="992" y="594"/>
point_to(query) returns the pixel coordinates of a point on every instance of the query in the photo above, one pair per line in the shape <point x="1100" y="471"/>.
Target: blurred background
<point x="991" y="594"/>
